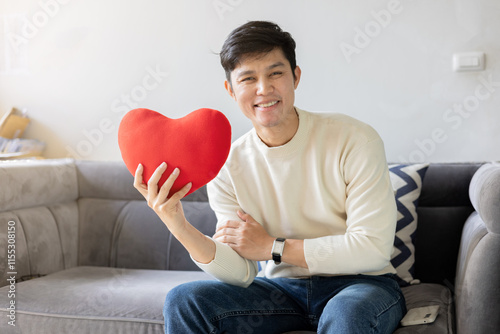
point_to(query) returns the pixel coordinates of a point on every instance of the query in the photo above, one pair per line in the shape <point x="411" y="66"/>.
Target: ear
<point x="229" y="89"/>
<point x="297" y="72"/>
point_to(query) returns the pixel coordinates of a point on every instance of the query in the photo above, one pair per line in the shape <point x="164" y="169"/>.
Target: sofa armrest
<point x="477" y="284"/>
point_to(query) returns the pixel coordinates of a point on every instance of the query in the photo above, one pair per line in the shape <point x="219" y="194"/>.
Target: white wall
<point x="76" y="62"/>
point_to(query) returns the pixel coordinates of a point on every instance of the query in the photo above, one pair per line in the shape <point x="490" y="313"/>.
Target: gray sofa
<point x="91" y="257"/>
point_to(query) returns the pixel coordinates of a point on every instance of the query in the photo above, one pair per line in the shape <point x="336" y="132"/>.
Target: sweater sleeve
<point x="227" y="266"/>
<point x="371" y="214"/>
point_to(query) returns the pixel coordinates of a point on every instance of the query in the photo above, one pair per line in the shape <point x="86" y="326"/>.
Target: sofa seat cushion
<point x="94" y="300"/>
<point x="426" y="294"/>
<point x="113" y="300"/>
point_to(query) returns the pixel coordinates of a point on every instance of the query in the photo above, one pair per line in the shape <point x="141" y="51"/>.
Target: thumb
<point x="243" y="216"/>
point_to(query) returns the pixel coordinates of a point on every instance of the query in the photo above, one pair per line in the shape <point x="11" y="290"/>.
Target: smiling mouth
<point x="267" y="105"/>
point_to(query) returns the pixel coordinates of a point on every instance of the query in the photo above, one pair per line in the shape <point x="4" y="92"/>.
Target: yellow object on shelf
<point x="12" y="125"/>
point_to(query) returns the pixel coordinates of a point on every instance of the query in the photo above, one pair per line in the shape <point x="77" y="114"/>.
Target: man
<point x="309" y="193"/>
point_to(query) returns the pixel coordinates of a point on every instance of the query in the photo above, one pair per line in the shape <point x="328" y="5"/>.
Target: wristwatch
<point x="277" y="252"/>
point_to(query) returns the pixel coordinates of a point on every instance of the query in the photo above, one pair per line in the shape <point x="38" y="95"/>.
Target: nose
<point x="264" y="87"/>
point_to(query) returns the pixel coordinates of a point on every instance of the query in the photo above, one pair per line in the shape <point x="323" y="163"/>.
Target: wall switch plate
<point x="468" y="61"/>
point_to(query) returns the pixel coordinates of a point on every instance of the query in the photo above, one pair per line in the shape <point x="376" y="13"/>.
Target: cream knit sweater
<point x="329" y="185"/>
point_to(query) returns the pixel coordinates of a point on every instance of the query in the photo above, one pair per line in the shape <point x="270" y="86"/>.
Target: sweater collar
<point x="291" y="146"/>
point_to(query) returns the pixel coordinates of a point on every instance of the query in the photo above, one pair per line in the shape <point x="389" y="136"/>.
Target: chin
<point x="269" y="124"/>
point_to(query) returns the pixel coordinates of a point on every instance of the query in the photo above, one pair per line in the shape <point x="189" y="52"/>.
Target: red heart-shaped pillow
<point x="198" y="144"/>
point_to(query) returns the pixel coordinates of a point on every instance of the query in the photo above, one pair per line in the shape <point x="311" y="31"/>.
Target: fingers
<point x="153" y="180"/>
<point x="150" y="192"/>
<point x="165" y="188"/>
<point x="227" y="236"/>
<point x="242" y="215"/>
<point x="138" y="175"/>
<point x="226" y="239"/>
<point x="184" y="190"/>
<point x="228" y="224"/>
<point x="245" y="217"/>
<point x="178" y="195"/>
<point x="224" y="229"/>
<point x="138" y="184"/>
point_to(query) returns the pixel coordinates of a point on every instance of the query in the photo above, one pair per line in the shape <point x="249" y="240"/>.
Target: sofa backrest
<point x="118" y="229"/>
<point x="443" y="208"/>
<point x="69" y="213"/>
<point x="110" y="206"/>
<point x="39" y="210"/>
<point x="62" y="213"/>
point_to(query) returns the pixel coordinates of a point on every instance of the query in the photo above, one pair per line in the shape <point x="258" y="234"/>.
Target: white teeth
<point x="267" y="104"/>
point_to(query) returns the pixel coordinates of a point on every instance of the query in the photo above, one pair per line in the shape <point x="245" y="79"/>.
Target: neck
<point x="281" y="134"/>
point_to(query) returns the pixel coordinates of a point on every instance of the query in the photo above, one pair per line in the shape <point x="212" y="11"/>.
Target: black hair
<point x="254" y="38"/>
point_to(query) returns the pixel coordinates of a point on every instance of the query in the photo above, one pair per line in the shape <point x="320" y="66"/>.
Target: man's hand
<point x="247" y="237"/>
<point x="168" y="209"/>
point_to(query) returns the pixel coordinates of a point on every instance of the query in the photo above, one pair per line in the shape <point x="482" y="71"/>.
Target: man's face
<point x="264" y="88"/>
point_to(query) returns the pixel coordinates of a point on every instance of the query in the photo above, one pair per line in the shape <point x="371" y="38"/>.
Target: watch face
<point x="278" y="247"/>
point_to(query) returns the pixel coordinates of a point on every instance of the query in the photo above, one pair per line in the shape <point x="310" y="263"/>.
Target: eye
<point x="276" y="73"/>
<point x="246" y="79"/>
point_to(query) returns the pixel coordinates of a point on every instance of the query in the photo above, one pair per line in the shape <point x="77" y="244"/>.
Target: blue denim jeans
<point x="340" y="304"/>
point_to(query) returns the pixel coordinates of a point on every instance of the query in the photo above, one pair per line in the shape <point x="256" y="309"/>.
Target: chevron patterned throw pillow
<point x="407" y="184"/>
